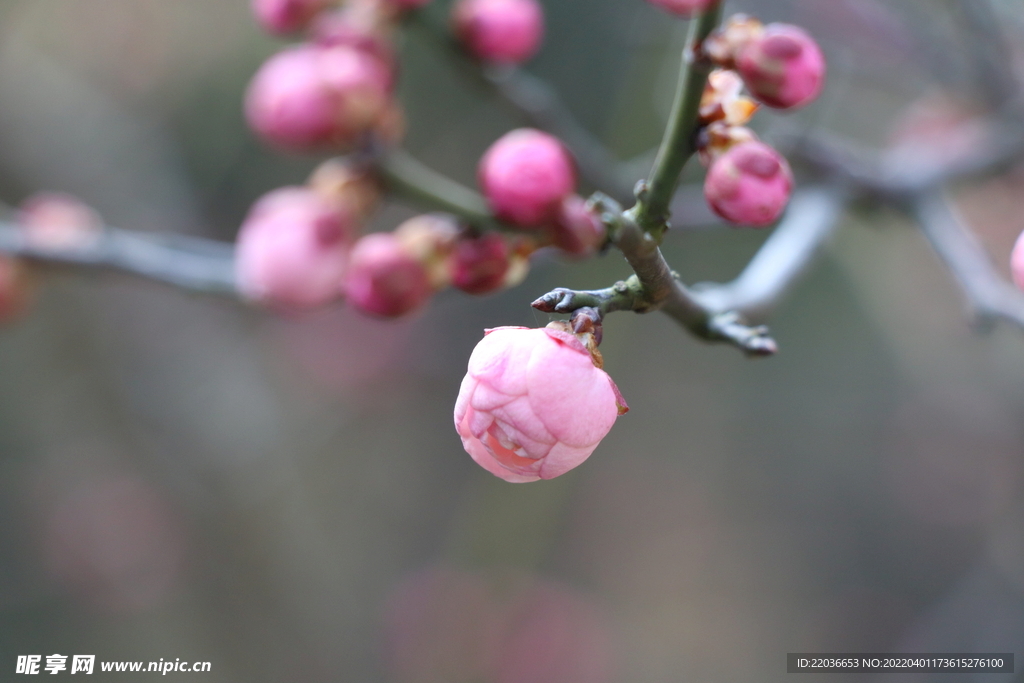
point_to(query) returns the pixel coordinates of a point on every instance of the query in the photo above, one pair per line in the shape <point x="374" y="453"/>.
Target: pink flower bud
<point x="15" y="288"/>
<point x="480" y="265"/>
<point x="525" y="174"/>
<point x="684" y="8"/>
<point x="293" y="249"/>
<point x="384" y="278"/>
<point x="578" y="230"/>
<point x="360" y="24"/>
<point x="504" y="31"/>
<point x="309" y="97"/>
<point x="783" y="66"/>
<point x="749" y="184"/>
<point x="533" y="404"/>
<point x="286" y="16"/>
<point x="1017" y="261"/>
<point x="53" y="220"/>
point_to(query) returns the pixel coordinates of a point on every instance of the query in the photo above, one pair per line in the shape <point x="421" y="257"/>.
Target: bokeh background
<point x="285" y="497"/>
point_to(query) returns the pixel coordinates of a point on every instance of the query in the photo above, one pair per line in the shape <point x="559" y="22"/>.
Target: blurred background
<point x="286" y="497"/>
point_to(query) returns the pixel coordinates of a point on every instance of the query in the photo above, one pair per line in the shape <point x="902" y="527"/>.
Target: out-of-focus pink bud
<point x="578" y="230"/>
<point x="479" y="265"/>
<point x="684" y="8"/>
<point x="310" y="97"/>
<point x="749" y="184"/>
<point x="15" y="288"/>
<point x="525" y="174"/>
<point x="293" y="249"/>
<point x="503" y="31"/>
<point x="286" y="16"/>
<point x="554" y="635"/>
<point x="430" y="239"/>
<point x="360" y="24"/>
<point x="384" y="278"/>
<point x="533" y="404"/>
<point x="1017" y="261"/>
<point x="53" y="220"/>
<point x="783" y="66"/>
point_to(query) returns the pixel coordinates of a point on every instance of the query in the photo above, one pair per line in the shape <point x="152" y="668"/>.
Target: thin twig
<point x="190" y="263"/>
<point x="651" y="212"/>
<point x="810" y="220"/>
<point x="990" y="296"/>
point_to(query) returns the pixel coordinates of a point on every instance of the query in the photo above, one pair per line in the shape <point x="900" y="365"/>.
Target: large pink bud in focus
<point x="293" y="249"/>
<point x="504" y="31"/>
<point x="749" y="184"/>
<point x="286" y="16"/>
<point x="782" y="67"/>
<point x="1017" y="261"/>
<point x="385" y="278"/>
<point x="524" y="175"/>
<point x="684" y="8"/>
<point x="533" y="404"/>
<point x="310" y="97"/>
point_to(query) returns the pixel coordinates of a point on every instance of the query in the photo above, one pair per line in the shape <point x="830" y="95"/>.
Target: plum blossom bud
<point x="783" y="66"/>
<point x="525" y="175"/>
<point x="360" y="24"/>
<point x="578" y="230"/>
<point x="384" y="278"/>
<point x="286" y="16"/>
<point x="533" y="404"/>
<point x="430" y="239"/>
<point x="309" y="97"/>
<point x="350" y="184"/>
<point x="53" y="220"/>
<point x="684" y="8"/>
<point x="15" y="288"/>
<point x="1017" y="261"/>
<point x="293" y="249"/>
<point x="479" y="265"/>
<point x="503" y="31"/>
<point x="749" y="184"/>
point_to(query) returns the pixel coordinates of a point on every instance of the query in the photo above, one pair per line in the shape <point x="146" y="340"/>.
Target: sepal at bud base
<point x="431" y="239"/>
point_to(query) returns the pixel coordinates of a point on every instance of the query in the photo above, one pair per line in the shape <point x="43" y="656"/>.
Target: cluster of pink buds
<point x="748" y="182"/>
<point x="335" y="90"/>
<point x="302" y="247"/>
<point x="529" y="180"/>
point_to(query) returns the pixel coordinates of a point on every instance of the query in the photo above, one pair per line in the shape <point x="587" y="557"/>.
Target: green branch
<point x="651" y="212"/>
